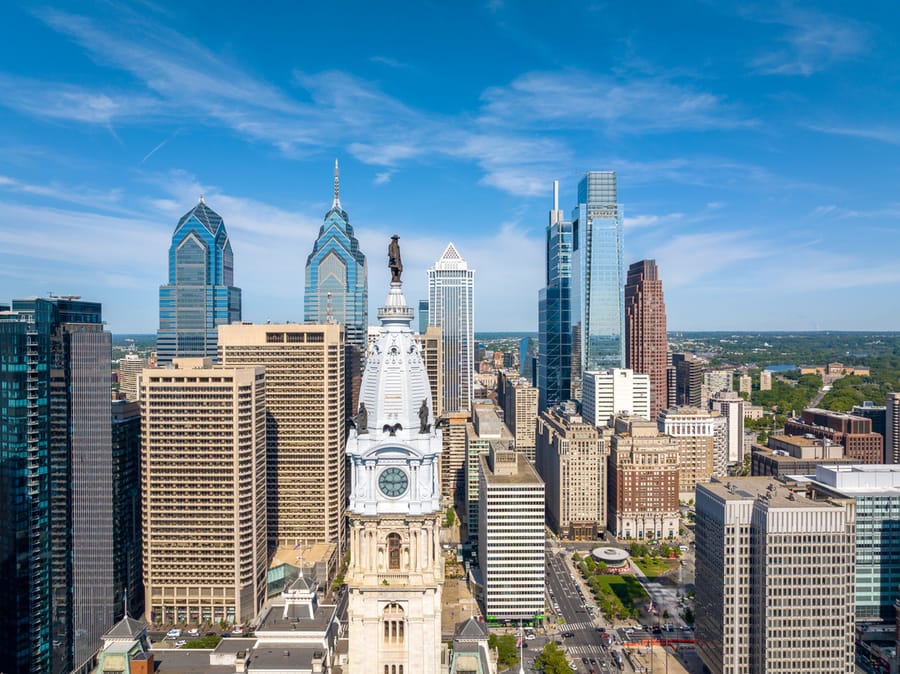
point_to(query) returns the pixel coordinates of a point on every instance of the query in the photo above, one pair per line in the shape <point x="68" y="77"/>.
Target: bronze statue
<point x="395" y="264"/>
<point x="424" y="426"/>
<point x="361" y="420"/>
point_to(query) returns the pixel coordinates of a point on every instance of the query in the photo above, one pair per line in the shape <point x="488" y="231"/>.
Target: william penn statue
<point x="395" y="264"/>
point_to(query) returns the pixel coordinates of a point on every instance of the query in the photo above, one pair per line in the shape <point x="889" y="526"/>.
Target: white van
<point x="173" y="634"/>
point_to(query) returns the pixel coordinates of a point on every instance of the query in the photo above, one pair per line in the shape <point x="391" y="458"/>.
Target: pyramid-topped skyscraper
<point x="200" y="295"/>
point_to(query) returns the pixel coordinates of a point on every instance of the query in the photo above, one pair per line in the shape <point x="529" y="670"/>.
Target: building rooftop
<point x="513" y="468"/>
<point x="296" y="620"/>
<point x="775" y="493"/>
<point x="858" y="479"/>
<point x="284" y="657"/>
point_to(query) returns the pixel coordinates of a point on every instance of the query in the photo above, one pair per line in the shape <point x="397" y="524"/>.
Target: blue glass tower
<point x="56" y="538"/>
<point x="554" y="312"/>
<point x="200" y="295"/>
<point x="598" y="278"/>
<point x="336" y="281"/>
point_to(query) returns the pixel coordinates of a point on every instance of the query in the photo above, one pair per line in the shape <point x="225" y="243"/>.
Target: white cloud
<point x="637" y="221"/>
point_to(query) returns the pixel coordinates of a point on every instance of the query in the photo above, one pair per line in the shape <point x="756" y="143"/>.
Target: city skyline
<point x="723" y="124"/>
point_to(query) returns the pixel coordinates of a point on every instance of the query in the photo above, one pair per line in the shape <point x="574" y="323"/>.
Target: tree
<point x="507" y="655"/>
<point x="552" y="660"/>
<point x="450" y="518"/>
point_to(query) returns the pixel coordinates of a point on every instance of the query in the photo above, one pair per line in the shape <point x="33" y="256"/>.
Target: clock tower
<point x="396" y="571"/>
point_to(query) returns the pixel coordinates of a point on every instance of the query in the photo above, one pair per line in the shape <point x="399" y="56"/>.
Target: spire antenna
<point x="337" y="186"/>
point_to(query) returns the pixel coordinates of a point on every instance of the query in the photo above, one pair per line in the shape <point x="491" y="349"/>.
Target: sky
<point x="756" y="147"/>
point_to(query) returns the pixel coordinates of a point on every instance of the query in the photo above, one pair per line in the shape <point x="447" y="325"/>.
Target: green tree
<point x="552" y="660"/>
<point x="450" y="518"/>
<point x="507" y="655"/>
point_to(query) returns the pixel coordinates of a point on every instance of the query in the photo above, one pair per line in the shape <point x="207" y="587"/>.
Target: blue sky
<point x="756" y="146"/>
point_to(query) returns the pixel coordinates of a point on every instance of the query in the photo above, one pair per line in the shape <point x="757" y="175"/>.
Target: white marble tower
<point x="396" y="570"/>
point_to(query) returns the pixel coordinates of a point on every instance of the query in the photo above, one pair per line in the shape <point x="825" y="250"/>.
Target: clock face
<point x="393" y="482"/>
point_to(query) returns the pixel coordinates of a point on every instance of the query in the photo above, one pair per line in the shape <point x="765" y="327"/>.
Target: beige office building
<point x="693" y="432"/>
<point x="453" y="459"/>
<point x="519" y="400"/>
<point x="775" y="580"/>
<point x="203" y="471"/>
<point x="306" y="427"/>
<point x="643" y="481"/>
<point x="129" y="369"/>
<point x="571" y="459"/>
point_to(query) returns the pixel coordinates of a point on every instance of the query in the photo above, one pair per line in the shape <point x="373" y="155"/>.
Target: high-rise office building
<point x="129" y="368"/>
<point x="693" y="431"/>
<point x="612" y="392"/>
<point x="598" y="278"/>
<point x="775" y="580"/>
<point x="453" y="457"/>
<point x="511" y="536"/>
<point x="423" y="316"/>
<point x="643" y="482"/>
<point x="432" y="346"/>
<point x="646" y="344"/>
<point x="520" y="409"/>
<point x="876" y="491"/>
<point x="203" y="463"/>
<point x="892" y="428"/>
<point x="451" y="307"/>
<point x="337" y="290"/>
<point x="688" y="379"/>
<point x="56" y="491"/>
<point x="554" y="361"/>
<point x="200" y="295"/>
<point x="731" y="406"/>
<point x="878" y="415"/>
<point x="396" y="573"/>
<point x="571" y="458"/>
<point x="305" y="434"/>
<point x="127" y="537"/>
<point x="486" y="430"/>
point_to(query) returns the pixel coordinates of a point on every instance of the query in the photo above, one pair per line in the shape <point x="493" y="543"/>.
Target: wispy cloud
<point x="390" y="62"/>
<point x="638" y="221"/>
<point x="885" y="135"/>
<point x="573" y="99"/>
<point x="382" y="177"/>
<point x="687" y="258"/>
<point x="82" y="195"/>
<point x="812" y="41"/>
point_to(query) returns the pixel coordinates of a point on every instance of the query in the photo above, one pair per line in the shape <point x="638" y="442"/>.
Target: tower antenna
<point x="337" y="186"/>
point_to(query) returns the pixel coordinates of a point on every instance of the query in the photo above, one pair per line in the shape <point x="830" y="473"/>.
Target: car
<point x="584" y="661"/>
<point x="524" y="644"/>
<point x="173" y="634"/>
<point x="180" y="643"/>
<point x="592" y="661"/>
<point x="195" y="632"/>
<point x="568" y="635"/>
<point x="237" y="629"/>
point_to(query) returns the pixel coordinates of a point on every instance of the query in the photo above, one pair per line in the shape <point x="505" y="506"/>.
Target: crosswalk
<point x="571" y="627"/>
<point x="589" y="650"/>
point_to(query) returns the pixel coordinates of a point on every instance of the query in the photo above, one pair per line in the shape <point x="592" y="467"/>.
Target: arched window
<point x="393" y="541"/>
<point x="394" y="624"/>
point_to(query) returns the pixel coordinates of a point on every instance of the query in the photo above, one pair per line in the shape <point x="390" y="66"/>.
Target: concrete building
<point x="892" y="428"/>
<point x="396" y="573"/>
<point x="714" y="381"/>
<point x="453" y="458"/>
<point x="794" y="455"/>
<point x="720" y="445"/>
<point x="766" y="600"/>
<point x="876" y="491"/>
<point x="571" y="458"/>
<point x="511" y="536"/>
<point x="745" y="385"/>
<point x="305" y="425"/>
<point x="431" y="344"/>
<point x="485" y="429"/>
<point x="519" y="401"/>
<point x="878" y="415"/>
<point x="693" y="431"/>
<point x="765" y="380"/>
<point x="129" y="368"/>
<point x="854" y="433"/>
<point x="646" y="343"/>
<point x="731" y="406"/>
<point x="203" y="462"/>
<point x="609" y="393"/>
<point x="643" y="481"/>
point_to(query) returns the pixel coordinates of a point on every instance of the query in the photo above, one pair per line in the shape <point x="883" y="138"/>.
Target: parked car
<point x="173" y="634"/>
<point x="180" y="643"/>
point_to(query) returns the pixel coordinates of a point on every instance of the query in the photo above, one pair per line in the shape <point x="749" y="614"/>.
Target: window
<point x="393" y="541"/>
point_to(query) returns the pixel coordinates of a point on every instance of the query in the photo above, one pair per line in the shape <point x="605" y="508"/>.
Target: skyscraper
<point x="646" y="345"/>
<point x="892" y="428"/>
<point x="200" y="295"/>
<point x="203" y="459"/>
<point x="451" y="306"/>
<point x="56" y="500"/>
<point x="127" y="540"/>
<point x="598" y="277"/>
<point x="337" y="289"/>
<point x="554" y="362"/>
<point x="613" y="392"/>
<point x="305" y="420"/>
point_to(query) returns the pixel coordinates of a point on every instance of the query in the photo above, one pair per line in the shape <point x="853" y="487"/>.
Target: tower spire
<point x="337" y="186"/>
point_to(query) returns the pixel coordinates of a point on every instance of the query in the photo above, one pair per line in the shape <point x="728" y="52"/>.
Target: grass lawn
<point x="627" y="589"/>
<point x="655" y="566"/>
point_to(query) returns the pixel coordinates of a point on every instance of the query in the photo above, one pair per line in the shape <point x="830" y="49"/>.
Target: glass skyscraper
<point x="200" y="295"/>
<point x="554" y="312"/>
<point x="336" y="280"/>
<point x="56" y="542"/>
<point x="451" y="307"/>
<point x="598" y="278"/>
